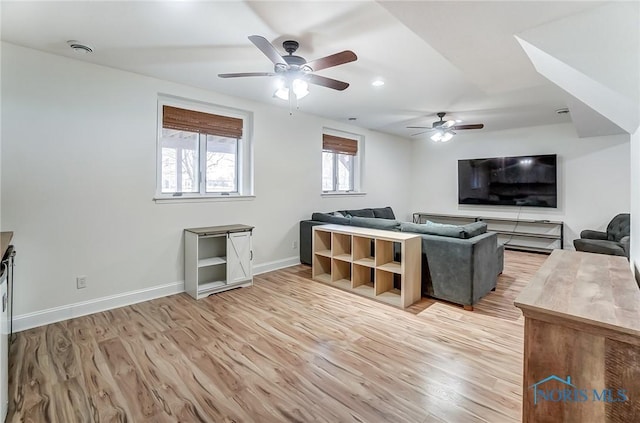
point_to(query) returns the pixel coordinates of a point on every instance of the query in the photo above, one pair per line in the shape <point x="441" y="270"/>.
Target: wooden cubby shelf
<point x="377" y="264"/>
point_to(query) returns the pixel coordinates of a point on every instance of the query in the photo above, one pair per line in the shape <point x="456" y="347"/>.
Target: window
<point x="340" y="162"/>
<point x="201" y="153"/>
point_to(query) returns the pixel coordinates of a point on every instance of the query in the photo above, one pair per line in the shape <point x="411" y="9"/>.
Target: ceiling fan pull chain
<point x="291" y="95"/>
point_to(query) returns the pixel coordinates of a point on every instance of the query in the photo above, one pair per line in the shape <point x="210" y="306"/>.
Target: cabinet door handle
<point x="251" y="256"/>
<point x="4" y="302"/>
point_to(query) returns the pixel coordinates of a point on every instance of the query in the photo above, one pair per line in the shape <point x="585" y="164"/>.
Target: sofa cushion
<point x="384" y="213"/>
<point x="358" y="213"/>
<point x="329" y="218"/>
<point x="451" y="231"/>
<point x="372" y="222"/>
<point x="599" y="246"/>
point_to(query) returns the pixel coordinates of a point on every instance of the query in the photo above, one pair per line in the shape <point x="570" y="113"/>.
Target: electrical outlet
<point x="294" y="245"/>
<point x="81" y="282"/>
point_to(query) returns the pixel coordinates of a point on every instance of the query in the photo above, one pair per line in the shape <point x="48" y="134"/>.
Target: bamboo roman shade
<point x="204" y="123"/>
<point x="339" y="145"/>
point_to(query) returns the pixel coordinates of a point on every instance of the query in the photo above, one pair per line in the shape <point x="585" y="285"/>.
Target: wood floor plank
<point x="286" y="349"/>
<point x="132" y="384"/>
<point x="71" y="403"/>
<point x="176" y="401"/>
<point x="61" y="351"/>
<point x="105" y="398"/>
<point x="218" y="406"/>
<point x="32" y="381"/>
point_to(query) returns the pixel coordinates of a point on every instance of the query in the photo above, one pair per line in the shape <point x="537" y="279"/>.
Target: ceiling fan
<point x="444" y="129"/>
<point x="294" y="71"/>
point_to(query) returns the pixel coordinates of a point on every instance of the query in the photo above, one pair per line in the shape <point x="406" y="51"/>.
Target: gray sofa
<point x="460" y="264"/>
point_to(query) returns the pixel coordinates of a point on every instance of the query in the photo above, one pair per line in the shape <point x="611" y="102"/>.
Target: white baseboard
<point x="275" y="265"/>
<point x="57" y="314"/>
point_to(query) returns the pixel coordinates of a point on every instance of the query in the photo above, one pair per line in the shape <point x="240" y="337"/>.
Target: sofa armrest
<point x="589" y="234"/>
<point x="626" y="244"/>
<point x="305" y="239"/>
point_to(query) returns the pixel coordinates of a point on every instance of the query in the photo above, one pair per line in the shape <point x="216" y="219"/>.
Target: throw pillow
<point x="384" y="213"/>
<point x="359" y="213"/>
<point x="329" y="218"/>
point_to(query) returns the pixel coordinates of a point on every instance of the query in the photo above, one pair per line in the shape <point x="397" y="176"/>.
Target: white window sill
<point x="343" y="194"/>
<point x="211" y="199"/>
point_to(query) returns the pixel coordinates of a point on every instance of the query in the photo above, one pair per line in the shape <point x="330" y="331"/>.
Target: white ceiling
<point x="458" y="57"/>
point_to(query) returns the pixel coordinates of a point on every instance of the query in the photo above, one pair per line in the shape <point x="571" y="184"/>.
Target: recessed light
<point x="378" y="83"/>
<point x="78" y="47"/>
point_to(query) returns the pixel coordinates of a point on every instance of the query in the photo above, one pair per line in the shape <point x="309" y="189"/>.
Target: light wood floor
<point x="287" y="349"/>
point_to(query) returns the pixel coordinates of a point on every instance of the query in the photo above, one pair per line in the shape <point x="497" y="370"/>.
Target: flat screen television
<point x="529" y="181"/>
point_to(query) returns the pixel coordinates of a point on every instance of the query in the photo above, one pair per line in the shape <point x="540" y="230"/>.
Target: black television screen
<point x="511" y="181"/>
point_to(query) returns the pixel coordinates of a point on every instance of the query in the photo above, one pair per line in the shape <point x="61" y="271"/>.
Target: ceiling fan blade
<point x="420" y="133"/>
<point x="332" y="60"/>
<point x="268" y="49"/>
<point x="327" y="82"/>
<point x="448" y="124"/>
<point x="469" y="126"/>
<point x="240" y="75"/>
<point x="419" y="127"/>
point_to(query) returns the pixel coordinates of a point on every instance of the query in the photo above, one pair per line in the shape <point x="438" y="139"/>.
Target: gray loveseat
<point x="460" y="264"/>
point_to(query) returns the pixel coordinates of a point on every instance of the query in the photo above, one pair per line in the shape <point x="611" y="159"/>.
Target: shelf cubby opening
<point x="212" y="247"/>
<point x="322" y="242"/>
<point x="364" y="251"/>
<point x="341" y="246"/>
<point x="387" y="283"/>
<point x="211" y="274"/>
<point x="362" y="275"/>
<point x="388" y="255"/>
<point x="341" y="272"/>
<point x="322" y="267"/>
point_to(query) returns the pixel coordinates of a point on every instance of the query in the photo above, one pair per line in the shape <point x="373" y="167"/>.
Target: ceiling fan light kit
<point x="299" y="87"/>
<point x="294" y="71"/>
<point x="444" y="130"/>
<point x="442" y="136"/>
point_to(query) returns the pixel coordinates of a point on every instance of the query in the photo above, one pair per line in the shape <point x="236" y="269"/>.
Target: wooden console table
<point x="582" y="320"/>
<point x="361" y="260"/>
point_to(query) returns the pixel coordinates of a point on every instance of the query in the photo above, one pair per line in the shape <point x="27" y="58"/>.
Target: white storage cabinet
<point x="217" y="258"/>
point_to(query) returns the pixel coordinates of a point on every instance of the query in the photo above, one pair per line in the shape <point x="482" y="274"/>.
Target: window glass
<point x="180" y="161"/>
<point x="222" y="169"/>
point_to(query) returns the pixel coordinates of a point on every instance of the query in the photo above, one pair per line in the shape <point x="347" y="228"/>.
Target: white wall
<point x="593" y="174"/>
<point x="78" y="177"/>
<point x="635" y="203"/>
